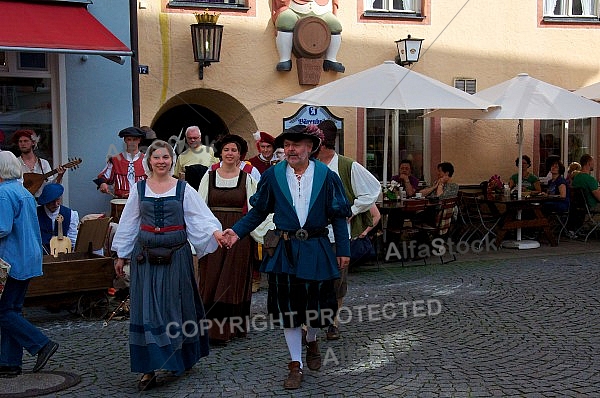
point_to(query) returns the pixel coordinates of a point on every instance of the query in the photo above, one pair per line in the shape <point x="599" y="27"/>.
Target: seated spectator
<point x="549" y="162"/>
<point x="442" y="188"/>
<point x="574" y="169"/>
<point x="50" y="207"/>
<point x="406" y="179"/>
<point x="557" y="185"/>
<point x="587" y="182"/>
<point x="530" y="182"/>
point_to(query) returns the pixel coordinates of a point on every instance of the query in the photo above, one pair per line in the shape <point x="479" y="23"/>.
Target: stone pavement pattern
<point x="527" y="326"/>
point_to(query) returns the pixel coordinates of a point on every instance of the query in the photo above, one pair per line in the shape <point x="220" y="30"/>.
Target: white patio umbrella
<point x="525" y="97"/>
<point x="388" y="86"/>
<point x="592" y="91"/>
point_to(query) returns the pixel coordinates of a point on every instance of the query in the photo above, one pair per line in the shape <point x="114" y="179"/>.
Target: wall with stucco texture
<point x="491" y="41"/>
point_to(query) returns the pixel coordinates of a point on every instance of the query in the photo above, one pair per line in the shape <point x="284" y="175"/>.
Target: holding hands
<point x="226" y="238"/>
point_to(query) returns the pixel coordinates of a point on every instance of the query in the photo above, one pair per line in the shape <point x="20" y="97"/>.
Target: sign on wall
<point x="308" y="114"/>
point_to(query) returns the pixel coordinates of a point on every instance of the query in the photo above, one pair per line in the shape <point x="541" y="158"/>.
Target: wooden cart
<point x="80" y="280"/>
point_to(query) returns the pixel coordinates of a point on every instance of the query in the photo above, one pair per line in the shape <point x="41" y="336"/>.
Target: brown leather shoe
<point x="313" y="355"/>
<point x="294" y="377"/>
<point x="333" y="333"/>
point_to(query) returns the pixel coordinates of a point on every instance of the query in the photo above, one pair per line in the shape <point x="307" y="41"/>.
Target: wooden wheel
<point x="93" y="307"/>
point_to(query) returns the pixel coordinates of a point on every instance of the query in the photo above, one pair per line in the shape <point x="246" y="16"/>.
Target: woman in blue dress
<point x="165" y="331"/>
<point x="558" y="186"/>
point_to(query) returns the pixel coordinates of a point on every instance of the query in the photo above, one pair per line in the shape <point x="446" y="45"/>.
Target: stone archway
<point x="215" y="112"/>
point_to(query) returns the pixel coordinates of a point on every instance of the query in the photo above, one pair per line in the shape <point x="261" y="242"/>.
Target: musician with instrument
<point x="50" y="211"/>
<point x="27" y="140"/>
<point x="126" y="168"/>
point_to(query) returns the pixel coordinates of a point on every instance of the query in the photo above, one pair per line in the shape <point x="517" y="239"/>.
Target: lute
<point x="33" y="181"/>
<point x="60" y="243"/>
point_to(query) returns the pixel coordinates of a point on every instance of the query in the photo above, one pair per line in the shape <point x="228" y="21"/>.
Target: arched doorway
<point x="174" y="121"/>
<point x="215" y="112"/>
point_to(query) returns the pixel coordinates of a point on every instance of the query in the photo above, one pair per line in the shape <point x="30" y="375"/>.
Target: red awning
<point x="55" y="27"/>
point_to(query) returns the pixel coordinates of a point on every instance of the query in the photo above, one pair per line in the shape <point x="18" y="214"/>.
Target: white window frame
<point x="410" y="6"/>
<point x="567" y="6"/>
<point x="209" y="3"/>
<point x="463" y="84"/>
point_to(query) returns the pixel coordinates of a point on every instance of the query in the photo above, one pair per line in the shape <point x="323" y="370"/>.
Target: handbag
<point x="160" y="255"/>
<point x="270" y="241"/>
<point x="4" y="271"/>
<point x="361" y="249"/>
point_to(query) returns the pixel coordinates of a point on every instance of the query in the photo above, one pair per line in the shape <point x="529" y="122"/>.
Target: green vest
<point x="360" y="221"/>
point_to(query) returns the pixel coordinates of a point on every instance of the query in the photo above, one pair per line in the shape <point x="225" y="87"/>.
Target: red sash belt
<point x="158" y="230"/>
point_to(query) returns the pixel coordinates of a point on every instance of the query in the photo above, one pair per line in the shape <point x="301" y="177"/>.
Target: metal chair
<point x="590" y="220"/>
<point x="443" y="224"/>
<point x="480" y="218"/>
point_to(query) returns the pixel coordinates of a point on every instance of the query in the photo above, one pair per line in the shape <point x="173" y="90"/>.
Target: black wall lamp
<point x="206" y="40"/>
<point x="409" y="50"/>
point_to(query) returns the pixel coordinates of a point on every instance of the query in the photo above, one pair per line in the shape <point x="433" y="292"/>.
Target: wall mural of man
<point x="285" y="14"/>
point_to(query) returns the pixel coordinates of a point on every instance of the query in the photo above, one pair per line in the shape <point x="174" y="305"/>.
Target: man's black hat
<point x="300" y="132"/>
<point x="132" y="132"/>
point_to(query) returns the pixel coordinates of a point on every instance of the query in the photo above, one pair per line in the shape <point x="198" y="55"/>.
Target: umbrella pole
<point x="520" y="244"/>
<point x="520" y="178"/>
<point x="386" y="133"/>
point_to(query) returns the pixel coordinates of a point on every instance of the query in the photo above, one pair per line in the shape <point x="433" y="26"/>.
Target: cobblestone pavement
<point x="520" y="327"/>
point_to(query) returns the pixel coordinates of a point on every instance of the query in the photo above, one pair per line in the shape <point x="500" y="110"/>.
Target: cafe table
<point x="511" y="218"/>
<point x="405" y="209"/>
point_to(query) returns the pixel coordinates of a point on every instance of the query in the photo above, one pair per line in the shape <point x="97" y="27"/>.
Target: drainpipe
<point x="135" y="74"/>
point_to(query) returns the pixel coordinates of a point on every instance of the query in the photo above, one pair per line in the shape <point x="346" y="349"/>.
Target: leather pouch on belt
<point x="271" y="240"/>
<point x="159" y="255"/>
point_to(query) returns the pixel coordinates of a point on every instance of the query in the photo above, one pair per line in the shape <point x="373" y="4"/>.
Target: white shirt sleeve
<point x="73" y="225"/>
<point x="129" y="226"/>
<point x="203" y="187"/>
<point x="260" y="231"/>
<point x="200" y="223"/>
<point x="366" y="188"/>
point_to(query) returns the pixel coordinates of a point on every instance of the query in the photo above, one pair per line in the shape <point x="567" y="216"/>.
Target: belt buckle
<point x="302" y="234"/>
<point x="156" y="229"/>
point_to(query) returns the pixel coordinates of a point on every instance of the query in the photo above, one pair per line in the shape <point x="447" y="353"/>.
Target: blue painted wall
<point x="99" y="105"/>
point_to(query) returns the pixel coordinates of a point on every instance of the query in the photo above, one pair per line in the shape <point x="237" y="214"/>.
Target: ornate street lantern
<point x="206" y="40"/>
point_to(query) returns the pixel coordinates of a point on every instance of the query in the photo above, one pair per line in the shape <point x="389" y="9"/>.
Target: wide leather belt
<point x="304" y="234"/>
<point x="160" y="230"/>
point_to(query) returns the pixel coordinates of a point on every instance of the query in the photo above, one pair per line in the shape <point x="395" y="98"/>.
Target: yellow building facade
<point x="468" y="44"/>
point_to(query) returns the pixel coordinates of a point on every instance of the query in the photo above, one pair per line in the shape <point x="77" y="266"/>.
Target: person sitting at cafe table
<point x="557" y="185"/>
<point x="48" y="210"/>
<point x="587" y="182"/>
<point x="530" y="181"/>
<point x="574" y="169"/>
<point x="406" y="179"/>
<point x="443" y="187"/>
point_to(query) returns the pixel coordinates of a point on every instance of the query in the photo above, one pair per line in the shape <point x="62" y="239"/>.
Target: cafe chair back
<point x="481" y="220"/>
<point x="590" y="221"/>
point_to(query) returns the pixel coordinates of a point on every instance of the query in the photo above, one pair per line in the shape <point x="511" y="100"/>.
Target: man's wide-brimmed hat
<point x="228" y="139"/>
<point x="50" y="193"/>
<point x="300" y="132"/>
<point x="132" y="132"/>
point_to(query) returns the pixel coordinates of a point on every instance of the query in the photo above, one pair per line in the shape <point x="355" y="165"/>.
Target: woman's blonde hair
<point x="574" y="166"/>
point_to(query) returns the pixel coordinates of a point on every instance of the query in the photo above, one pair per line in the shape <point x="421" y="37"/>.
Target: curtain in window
<point x="587" y="7"/>
<point x="549" y="6"/>
<point x="409" y="5"/>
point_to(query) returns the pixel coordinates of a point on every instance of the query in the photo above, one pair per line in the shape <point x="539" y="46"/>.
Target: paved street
<point x="525" y="323"/>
